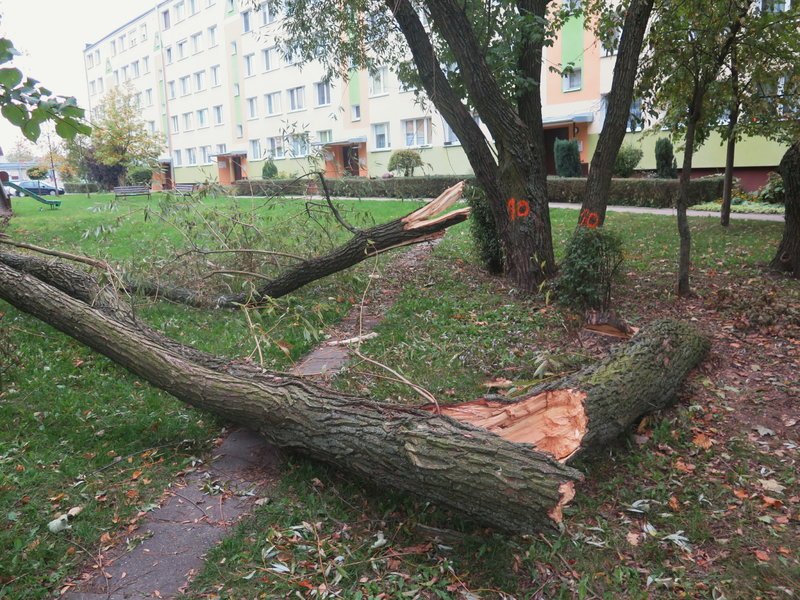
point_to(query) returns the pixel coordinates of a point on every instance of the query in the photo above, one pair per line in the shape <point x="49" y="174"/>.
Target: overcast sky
<point x="51" y="35"/>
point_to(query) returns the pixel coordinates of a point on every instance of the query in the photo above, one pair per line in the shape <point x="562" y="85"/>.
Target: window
<point x="267" y="16"/>
<point x="132" y="37"/>
<point x="113" y="48"/>
<point x="234" y="48"/>
<point x="269" y="58"/>
<point x="185" y="84"/>
<point x="215" y="75"/>
<point x="205" y="154"/>
<point x="165" y="19"/>
<point x="143" y="32"/>
<point x="146" y="64"/>
<point x="135" y="68"/>
<point x="635" y="120"/>
<point x="151" y="127"/>
<point x="246" y="21"/>
<point x="199" y="81"/>
<point x="252" y="107"/>
<point x="379" y="81"/>
<point x="116" y="77"/>
<point x="148" y="95"/>
<point x="417" y="132"/>
<point x="171" y="90"/>
<point x="249" y="62"/>
<point x="197" y="42"/>
<point x="222" y="148"/>
<point x="325" y="136"/>
<point x="773" y="6"/>
<point x="255" y="149"/>
<point x="572" y="4"/>
<point x="611" y="43"/>
<point x="212" y="36"/>
<point x="236" y="90"/>
<point x="297" y="98"/>
<point x="92" y="88"/>
<point x="181" y="47"/>
<point x="355" y="112"/>
<point x="180" y="11"/>
<point x="137" y="100"/>
<point x="121" y="41"/>
<point x="125" y="73"/>
<point x="191" y="156"/>
<point x="89" y="61"/>
<point x="178" y="161"/>
<point x="100" y="85"/>
<point x="174" y="123"/>
<point x="192" y="7"/>
<point x="380" y="136"/>
<point x="571" y="81"/>
<point x="230" y="5"/>
<point x="187" y="121"/>
<point x="272" y="103"/>
<point x="299" y="145"/>
<point x="168" y="55"/>
<point x="217" y="112"/>
<point x="239" y="131"/>
<point x="323" y="93"/>
<point x="202" y="117"/>
<point x="449" y="135"/>
<point x="97" y="57"/>
<point x="275" y="147"/>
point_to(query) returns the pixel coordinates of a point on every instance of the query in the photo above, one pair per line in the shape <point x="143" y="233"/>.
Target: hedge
<point x="653" y="193"/>
<point x="81" y="188"/>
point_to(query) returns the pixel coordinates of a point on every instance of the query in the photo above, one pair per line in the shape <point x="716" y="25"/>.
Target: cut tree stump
<point x="502" y="465"/>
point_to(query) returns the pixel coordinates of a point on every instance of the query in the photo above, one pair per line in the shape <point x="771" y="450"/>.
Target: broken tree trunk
<point x="422" y="225"/>
<point x="484" y="471"/>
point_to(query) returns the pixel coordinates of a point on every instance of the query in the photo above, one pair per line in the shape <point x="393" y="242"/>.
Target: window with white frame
<point x="611" y="42"/>
<point x="267" y="16"/>
<point x="212" y="36"/>
<point x="202" y="117"/>
<point x="252" y="107"/>
<point x="222" y="148"/>
<point x="148" y="96"/>
<point x="200" y="81"/>
<point x="137" y="99"/>
<point x="186" y="85"/>
<point x="246" y="21"/>
<point x="135" y="69"/>
<point x="177" y="158"/>
<point x="325" y="136"/>
<point x="272" y="103"/>
<point x="355" y="112"/>
<point x="236" y="90"/>
<point x="143" y="32"/>
<point x="269" y="58"/>
<point x="92" y="88"/>
<point x="180" y="11"/>
<point x="217" y="112"/>
<point x="90" y="60"/>
<point x="116" y="77"/>
<point x="151" y="127"/>
<point x="100" y="85"/>
<point x="230" y="5"/>
<point x="275" y="145"/>
<point x="113" y="48"/>
<point x="450" y="138"/>
<point x="417" y="132"/>
<point x="191" y="156"/>
<point x="205" y="154"/>
<point x="215" y="75"/>
<point x="379" y="81"/>
<point x="171" y="90"/>
<point x="132" y="37"/>
<point x="297" y="98"/>
<point x="635" y="120"/>
<point x="165" y="19"/>
<point x="97" y="57"/>
<point x="249" y="65"/>
<point x="146" y="64"/>
<point x="121" y="41"/>
<point x="572" y="4"/>
<point x="322" y="94"/>
<point x="234" y="48"/>
<point x="197" y="42"/>
<point x="192" y="7"/>
<point x="571" y="80"/>
<point x="188" y="121"/>
<point x="181" y="49"/>
<point x="124" y="72"/>
<point x="168" y="55"/>
<point x="380" y="136"/>
<point x="293" y="57"/>
<point x="255" y="149"/>
<point x="773" y="6"/>
<point x="299" y="145"/>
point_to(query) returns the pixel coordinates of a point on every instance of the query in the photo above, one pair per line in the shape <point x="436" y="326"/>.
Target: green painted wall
<point x="572" y="42"/>
<point x="447" y="160"/>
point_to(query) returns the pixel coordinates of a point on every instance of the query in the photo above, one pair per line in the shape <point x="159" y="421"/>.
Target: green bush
<point x="652" y="193"/>
<point x="627" y="159"/>
<point x="484" y="231"/>
<point x="568" y="158"/>
<point x="591" y="265"/>
<point x="356" y="187"/>
<point x="405" y="161"/>
<point x="140" y="175"/>
<point x="666" y="165"/>
<point x="81" y="188"/>
<point x="37" y="173"/>
<point x="269" y="170"/>
<point x="772" y="192"/>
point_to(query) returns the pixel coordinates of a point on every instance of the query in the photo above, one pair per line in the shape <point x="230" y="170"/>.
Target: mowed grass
<point x="67" y="412"/>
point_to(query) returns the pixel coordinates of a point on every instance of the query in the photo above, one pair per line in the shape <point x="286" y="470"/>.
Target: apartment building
<point x="209" y="77"/>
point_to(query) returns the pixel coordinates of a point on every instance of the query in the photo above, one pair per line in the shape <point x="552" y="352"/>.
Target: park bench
<point x="185" y="189"/>
<point x="123" y="191"/>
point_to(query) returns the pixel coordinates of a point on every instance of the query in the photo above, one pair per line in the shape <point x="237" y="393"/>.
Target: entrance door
<point x="236" y="163"/>
<point x="351" y="162"/>
<point x="550" y="137"/>
<point x="166" y="177"/>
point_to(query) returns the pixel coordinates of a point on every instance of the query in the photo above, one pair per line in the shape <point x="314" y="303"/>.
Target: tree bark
<point x="5" y="204"/>
<point x="514" y="477"/>
<point x="422" y="225"/>
<point x="787" y="258"/>
<point x="684" y="233"/>
<point x="730" y="154"/>
<point x="619" y="101"/>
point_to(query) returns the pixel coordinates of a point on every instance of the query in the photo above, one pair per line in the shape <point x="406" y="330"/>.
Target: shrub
<point x="72" y="187"/>
<point x="666" y="165"/>
<point x="591" y="265"/>
<point x="653" y="193"/>
<point x="357" y="187"/>
<point x="627" y="159"/>
<point x="484" y="231"/>
<point x="37" y="173"/>
<point x="568" y="158"/>
<point x="140" y="175"/>
<point x="405" y="161"/>
<point x="772" y="192"/>
<point x="269" y="170"/>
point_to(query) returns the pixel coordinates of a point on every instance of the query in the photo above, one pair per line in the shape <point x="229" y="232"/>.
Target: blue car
<point x="37" y="187"/>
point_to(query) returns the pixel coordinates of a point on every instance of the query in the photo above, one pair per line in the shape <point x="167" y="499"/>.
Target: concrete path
<point x="673" y="212"/>
<point x="197" y="513"/>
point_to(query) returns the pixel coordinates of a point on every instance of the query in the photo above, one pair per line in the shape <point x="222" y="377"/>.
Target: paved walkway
<point x="673" y="212"/>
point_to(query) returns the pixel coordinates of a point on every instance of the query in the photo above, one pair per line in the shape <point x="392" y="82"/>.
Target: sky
<point x="51" y="35"/>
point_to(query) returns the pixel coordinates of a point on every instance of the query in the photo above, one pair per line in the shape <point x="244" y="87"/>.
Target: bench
<point x="124" y="191"/>
<point x="185" y="189"/>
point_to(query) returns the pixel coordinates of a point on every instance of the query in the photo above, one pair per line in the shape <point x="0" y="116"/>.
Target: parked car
<point x="38" y="187"/>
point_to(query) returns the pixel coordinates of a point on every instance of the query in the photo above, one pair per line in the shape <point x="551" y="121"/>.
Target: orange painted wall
<point x="590" y="85"/>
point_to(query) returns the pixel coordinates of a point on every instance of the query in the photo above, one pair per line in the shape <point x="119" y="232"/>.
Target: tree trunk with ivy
<point x="5" y="204"/>
<point x="787" y="257"/>
<point x="505" y="465"/>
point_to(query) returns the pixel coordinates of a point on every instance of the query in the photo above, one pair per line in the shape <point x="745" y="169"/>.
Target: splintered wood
<point x="553" y="422"/>
<point x="431" y="213"/>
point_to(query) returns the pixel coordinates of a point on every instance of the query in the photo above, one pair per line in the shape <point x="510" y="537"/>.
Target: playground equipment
<point x="37" y="197"/>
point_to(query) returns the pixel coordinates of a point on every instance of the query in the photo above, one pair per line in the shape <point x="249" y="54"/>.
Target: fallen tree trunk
<point x="483" y="470"/>
<point x="422" y="225"/>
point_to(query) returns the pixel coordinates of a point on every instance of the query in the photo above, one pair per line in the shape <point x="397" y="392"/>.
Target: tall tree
<point x="688" y="45"/>
<point x="120" y="137"/>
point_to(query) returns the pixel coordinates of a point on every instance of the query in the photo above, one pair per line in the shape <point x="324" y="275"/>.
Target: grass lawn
<point x="697" y="502"/>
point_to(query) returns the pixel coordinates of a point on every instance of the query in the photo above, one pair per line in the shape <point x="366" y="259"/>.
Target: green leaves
<point x="10" y="77"/>
<point x="14" y="114"/>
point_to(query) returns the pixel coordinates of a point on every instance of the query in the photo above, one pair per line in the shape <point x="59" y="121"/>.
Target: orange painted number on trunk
<point x="589" y="219"/>
<point x="518" y="209"/>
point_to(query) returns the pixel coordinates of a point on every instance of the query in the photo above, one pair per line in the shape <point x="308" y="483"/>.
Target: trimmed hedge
<point x="81" y="188"/>
<point x="653" y="193"/>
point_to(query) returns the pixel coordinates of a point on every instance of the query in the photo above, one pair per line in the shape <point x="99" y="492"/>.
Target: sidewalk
<point x="673" y="212"/>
